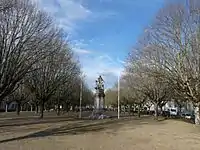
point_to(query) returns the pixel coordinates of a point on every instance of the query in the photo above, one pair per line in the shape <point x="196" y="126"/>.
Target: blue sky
<point x="102" y="32"/>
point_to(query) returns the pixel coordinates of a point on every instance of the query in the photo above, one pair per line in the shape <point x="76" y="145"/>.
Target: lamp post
<point x="81" y="97"/>
<point x="118" y="97"/>
<point x="80" y="103"/>
<point x="118" y="92"/>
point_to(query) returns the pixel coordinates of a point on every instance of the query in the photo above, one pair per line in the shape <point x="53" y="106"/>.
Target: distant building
<point x="10" y="106"/>
<point x="171" y="105"/>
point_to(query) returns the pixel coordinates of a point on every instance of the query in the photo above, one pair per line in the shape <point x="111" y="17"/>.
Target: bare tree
<point x="111" y="97"/>
<point x="26" y="37"/>
<point x="147" y="81"/>
<point x="176" y="36"/>
<point x="5" y="5"/>
<point x="52" y="73"/>
<point x="64" y="94"/>
<point x="169" y="56"/>
<point x="20" y="96"/>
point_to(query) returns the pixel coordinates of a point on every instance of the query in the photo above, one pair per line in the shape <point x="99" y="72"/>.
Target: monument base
<point x="98" y="114"/>
<point x="98" y="100"/>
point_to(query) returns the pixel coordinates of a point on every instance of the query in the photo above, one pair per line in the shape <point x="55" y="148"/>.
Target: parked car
<point x="188" y="115"/>
<point x="173" y="112"/>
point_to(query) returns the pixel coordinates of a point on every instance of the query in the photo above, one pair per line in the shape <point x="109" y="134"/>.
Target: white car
<point x="188" y="116"/>
<point x="173" y="112"/>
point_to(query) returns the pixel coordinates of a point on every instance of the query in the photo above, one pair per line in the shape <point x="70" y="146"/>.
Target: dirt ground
<point x="123" y="134"/>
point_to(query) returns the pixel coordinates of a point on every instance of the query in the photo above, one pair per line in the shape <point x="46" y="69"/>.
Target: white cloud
<point x="105" y="57"/>
<point x="96" y="64"/>
<point x="104" y="15"/>
<point x="73" y="10"/>
<point x="121" y="61"/>
<point x="66" y="12"/>
<point x="82" y="51"/>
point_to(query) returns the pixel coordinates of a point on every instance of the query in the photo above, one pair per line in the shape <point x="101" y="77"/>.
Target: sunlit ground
<point x="126" y="134"/>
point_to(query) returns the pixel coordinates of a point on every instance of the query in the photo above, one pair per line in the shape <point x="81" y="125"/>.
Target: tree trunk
<point x="18" y="108"/>
<point x="161" y="110"/>
<point x="197" y="115"/>
<point x="36" y="108"/>
<point x="149" y="109"/>
<point x="58" y="110"/>
<point x="68" y="107"/>
<point x="156" y="111"/>
<point x="129" y="110"/>
<point x="6" y="109"/>
<point x="180" y="107"/>
<point x="139" y="106"/>
<point x="73" y="108"/>
<point x="42" y="109"/>
<point x="133" y="109"/>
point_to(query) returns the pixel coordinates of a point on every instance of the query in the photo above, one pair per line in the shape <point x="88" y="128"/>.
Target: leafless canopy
<point x="165" y="64"/>
<point x="26" y="37"/>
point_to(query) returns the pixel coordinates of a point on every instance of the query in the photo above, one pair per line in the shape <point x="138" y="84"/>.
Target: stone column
<point x="101" y="103"/>
<point x="97" y="102"/>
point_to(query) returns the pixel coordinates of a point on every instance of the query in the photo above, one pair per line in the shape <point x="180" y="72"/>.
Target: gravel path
<point x="126" y="134"/>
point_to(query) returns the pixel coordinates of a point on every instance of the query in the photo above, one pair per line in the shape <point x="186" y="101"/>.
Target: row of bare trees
<point x="165" y="63"/>
<point x="36" y="63"/>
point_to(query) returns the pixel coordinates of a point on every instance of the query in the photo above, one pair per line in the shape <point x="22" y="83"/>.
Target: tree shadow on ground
<point x="109" y="125"/>
<point x="24" y="122"/>
<point x="48" y="119"/>
<point x="189" y="121"/>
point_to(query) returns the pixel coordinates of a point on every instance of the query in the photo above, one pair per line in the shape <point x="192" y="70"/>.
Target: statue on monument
<point x="99" y="95"/>
<point x="99" y="100"/>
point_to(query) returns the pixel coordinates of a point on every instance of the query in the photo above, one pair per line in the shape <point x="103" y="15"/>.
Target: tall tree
<point x="176" y="35"/>
<point x="51" y="73"/>
<point x="111" y="97"/>
<point x="26" y="35"/>
<point x="20" y="96"/>
<point x="169" y="55"/>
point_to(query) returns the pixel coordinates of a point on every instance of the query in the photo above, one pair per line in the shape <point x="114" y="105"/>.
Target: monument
<point x="99" y="99"/>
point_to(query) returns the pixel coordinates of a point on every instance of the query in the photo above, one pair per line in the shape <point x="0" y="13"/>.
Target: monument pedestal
<point x="99" y="99"/>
